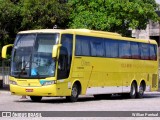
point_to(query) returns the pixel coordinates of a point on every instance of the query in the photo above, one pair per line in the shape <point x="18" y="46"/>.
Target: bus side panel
<point x="113" y="73"/>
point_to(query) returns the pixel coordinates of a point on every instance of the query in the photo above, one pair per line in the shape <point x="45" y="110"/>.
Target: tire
<point x="141" y="91"/>
<point x="74" y="94"/>
<point x="133" y="91"/>
<point x="36" y="98"/>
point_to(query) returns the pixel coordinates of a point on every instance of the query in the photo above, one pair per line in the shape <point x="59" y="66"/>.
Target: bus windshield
<point x="32" y="55"/>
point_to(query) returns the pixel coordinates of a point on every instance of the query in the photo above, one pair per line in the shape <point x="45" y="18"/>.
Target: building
<point x="152" y="31"/>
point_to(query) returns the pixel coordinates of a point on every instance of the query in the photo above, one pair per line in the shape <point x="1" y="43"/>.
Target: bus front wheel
<point x="36" y="98"/>
<point x="74" y="94"/>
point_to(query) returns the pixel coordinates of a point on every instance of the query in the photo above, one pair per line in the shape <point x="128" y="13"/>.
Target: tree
<point x="8" y="21"/>
<point x="18" y="15"/>
<point x="43" y="14"/>
<point x="112" y="15"/>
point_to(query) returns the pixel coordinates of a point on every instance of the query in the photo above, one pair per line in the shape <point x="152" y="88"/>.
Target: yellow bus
<point x="73" y="62"/>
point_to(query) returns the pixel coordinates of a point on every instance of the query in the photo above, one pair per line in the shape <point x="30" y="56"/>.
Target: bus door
<point x="64" y="65"/>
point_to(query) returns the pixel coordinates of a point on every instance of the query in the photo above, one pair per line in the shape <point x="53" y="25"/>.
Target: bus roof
<point x="95" y="32"/>
<point x="88" y="32"/>
<point x="41" y="31"/>
<point x="69" y="30"/>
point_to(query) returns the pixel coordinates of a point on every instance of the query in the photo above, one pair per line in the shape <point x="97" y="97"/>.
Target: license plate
<point x="29" y="90"/>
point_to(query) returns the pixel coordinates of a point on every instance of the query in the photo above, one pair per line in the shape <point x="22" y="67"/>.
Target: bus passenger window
<point x="113" y="49"/>
<point x="107" y="48"/>
<point x="135" y="52"/>
<point x="124" y="50"/>
<point x="82" y="45"/>
<point x="97" y="47"/>
<point x="153" y="52"/>
<point x="144" y="51"/>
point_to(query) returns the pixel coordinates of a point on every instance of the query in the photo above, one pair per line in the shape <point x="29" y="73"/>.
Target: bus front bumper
<point x="49" y="90"/>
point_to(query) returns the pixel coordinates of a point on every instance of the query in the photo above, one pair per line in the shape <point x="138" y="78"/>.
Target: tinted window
<point x="144" y="51"/>
<point x="124" y="49"/>
<point x="82" y="45"/>
<point x="67" y="42"/>
<point x="97" y="47"/>
<point x="107" y="48"/>
<point x="153" y="52"/>
<point x="65" y="57"/>
<point x="111" y="48"/>
<point x="135" y="52"/>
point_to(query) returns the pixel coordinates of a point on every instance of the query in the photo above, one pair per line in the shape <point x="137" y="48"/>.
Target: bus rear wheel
<point x="74" y="94"/>
<point x="133" y="91"/>
<point x="141" y="91"/>
<point x="36" y="98"/>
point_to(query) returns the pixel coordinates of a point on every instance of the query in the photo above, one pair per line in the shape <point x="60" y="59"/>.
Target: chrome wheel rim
<point x="74" y="92"/>
<point x="141" y="91"/>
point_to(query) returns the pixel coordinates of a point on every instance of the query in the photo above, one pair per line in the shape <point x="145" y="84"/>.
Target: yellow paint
<point x="4" y="50"/>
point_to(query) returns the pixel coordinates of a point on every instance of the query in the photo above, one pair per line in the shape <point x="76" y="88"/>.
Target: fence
<point x="4" y="73"/>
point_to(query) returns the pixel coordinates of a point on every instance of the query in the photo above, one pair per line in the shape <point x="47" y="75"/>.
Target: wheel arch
<point x="134" y="81"/>
<point x="143" y="83"/>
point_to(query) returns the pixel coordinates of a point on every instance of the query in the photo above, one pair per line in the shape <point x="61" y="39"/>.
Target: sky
<point x="158" y="1"/>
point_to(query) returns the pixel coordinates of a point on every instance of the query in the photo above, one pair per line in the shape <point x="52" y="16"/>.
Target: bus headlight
<point x="44" y="82"/>
<point x="13" y="82"/>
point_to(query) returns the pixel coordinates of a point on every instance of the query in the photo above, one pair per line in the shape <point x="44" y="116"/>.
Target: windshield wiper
<point x="23" y="69"/>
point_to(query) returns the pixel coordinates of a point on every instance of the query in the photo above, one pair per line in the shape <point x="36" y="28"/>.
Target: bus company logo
<point x="6" y="114"/>
<point x="85" y="63"/>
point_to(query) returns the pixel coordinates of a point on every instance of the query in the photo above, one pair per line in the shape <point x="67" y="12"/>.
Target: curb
<point x="5" y="91"/>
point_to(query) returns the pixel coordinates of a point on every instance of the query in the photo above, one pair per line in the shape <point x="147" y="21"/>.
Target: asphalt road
<point x="150" y="102"/>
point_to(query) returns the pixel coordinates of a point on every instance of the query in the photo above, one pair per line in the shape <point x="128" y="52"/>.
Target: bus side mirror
<point x="55" y="50"/>
<point x="4" y="50"/>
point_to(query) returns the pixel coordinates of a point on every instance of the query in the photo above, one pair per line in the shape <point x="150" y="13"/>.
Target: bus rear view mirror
<point x="4" y="50"/>
<point x="55" y="50"/>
